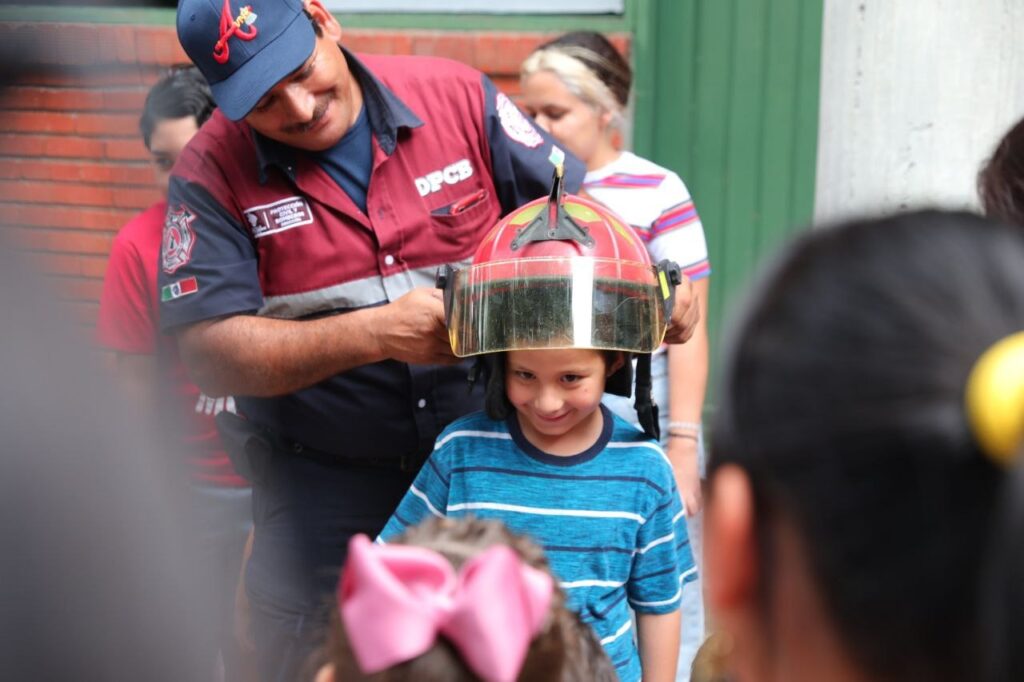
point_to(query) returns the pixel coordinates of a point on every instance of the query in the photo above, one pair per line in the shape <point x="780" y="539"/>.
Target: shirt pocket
<point x="463" y="210"/>
<point x="465" y="221"/>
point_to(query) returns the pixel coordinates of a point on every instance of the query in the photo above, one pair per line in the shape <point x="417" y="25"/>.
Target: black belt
<point x="250" y="447"/>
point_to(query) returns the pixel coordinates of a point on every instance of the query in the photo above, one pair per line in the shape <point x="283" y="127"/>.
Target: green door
<point x="727" y="96"/>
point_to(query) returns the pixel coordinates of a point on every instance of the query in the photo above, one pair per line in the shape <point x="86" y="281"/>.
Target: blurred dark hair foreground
<point x="99" y="581"/>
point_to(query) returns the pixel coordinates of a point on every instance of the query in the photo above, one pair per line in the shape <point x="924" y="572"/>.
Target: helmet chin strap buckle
<point x="646" y="408"/>
<point x="553" y="223"/>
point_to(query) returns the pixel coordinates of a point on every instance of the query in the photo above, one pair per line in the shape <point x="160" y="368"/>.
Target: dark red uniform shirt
<point x="254" y="227"/>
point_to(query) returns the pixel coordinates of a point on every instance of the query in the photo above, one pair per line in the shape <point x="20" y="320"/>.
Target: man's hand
<point x="685" y="314"/>
<point x="412" y="329"/>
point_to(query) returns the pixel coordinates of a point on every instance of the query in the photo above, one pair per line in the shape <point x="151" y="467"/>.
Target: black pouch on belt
<point x="248" y="445"/>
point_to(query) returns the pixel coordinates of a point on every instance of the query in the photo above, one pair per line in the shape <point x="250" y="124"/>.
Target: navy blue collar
<point x="387" y="114"/>
<point x="531" y="450"/>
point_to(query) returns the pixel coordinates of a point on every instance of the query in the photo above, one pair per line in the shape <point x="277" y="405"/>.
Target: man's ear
<point x="730" y="544"/>
<point x="323" y="16"/>
<point x="325" y="673"/>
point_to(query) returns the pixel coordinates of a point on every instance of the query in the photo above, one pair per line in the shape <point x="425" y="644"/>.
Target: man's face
<point x="314" y="106"/>
<point x="170" y="135"/>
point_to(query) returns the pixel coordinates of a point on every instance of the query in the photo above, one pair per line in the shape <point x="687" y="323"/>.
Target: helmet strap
<point x="646" y="408"/>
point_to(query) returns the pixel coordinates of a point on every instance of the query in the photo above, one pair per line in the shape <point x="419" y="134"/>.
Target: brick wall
<point x="73" y="168"/>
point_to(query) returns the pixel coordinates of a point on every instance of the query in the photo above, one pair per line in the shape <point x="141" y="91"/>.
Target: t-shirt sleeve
<point x="677" y="233"/>
<point x="522" y="155"/>
<point x="662" y="562"/>
<point x="126" y="321"/>
<point x="428" y="496"/>
<point x="208" y="266"/>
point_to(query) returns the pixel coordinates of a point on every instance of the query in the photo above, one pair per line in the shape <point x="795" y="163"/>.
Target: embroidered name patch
<point x="515" y="123"/>
<point x="179" y="238"/>
<point x="279" y="216"/>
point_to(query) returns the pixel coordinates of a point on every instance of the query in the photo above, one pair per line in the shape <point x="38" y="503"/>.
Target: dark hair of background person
<point x="600" y="56"/>
<point x="1001" y="179"/>
<point x="1003" y="587"/>
<point x="567" y="651"/>
<point x="843" y="399"/>
<point x="181" y="93"/>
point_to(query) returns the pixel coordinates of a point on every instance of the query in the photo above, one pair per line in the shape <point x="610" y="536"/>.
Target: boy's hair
<point x="567" y="650"/>
<point x="182" y="92"/>
<point x="843" y="399"/>
<point x="1001" y="180"/>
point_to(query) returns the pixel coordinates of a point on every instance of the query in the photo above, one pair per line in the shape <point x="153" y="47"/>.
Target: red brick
<point x="30" y="98"/>
<point x="71" y="194"/>
<point x="37" y="122"/>
<point x="508" y="84"/>
<point x="76" y="44"/>
<point x="29" y="215"/>
<point x="116" y="125"/>
<point x="105" y="173"/>
<point x="62" y="241"/>
<point x="93" y="266"/>
<point x="103" y="76"/>
<point x="78" y="288"/>
<point x="55" y="194"/>
<point x="50" y="145"/>
<point x="127" y="150"/>
<point x="158" y="45"/>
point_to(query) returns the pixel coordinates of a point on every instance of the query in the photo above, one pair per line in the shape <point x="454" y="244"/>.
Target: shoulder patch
<point x="179" y="239"/>
<point x="515" y="123"/>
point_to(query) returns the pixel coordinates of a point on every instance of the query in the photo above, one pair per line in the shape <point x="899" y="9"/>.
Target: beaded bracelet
<point x="684" y="426"/>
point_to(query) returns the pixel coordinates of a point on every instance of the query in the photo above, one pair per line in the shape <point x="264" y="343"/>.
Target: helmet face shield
<point x="557" y="302"/>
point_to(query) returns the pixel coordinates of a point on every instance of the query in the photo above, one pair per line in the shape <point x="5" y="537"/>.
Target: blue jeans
<point x="692" y="607"/>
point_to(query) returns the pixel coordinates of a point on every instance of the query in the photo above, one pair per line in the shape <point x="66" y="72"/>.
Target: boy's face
<point x="557" y="393"/>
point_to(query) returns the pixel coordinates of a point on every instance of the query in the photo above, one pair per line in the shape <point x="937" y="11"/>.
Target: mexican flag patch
<point x="180" y="288"/>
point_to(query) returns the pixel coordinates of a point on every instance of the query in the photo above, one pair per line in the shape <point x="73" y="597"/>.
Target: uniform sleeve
<point x="428" y="496"/>
<point x="677" y="233"/>
<point x="126" y="322"/>
<point x="208" y="265"/>
<point x="662" y="561"/>
<point x="521" y="153"/>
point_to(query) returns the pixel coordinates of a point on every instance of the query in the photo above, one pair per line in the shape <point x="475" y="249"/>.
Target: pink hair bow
<point x="396" y="599"/>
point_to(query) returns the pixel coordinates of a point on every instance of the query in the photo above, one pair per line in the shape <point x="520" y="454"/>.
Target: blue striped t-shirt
<point x="609" y="518"/>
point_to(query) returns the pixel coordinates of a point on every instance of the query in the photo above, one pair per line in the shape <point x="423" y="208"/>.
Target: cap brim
<point x="236" y="96"/>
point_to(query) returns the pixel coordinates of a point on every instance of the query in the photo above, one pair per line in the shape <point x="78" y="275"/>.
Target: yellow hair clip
<point x="995" y="399"/>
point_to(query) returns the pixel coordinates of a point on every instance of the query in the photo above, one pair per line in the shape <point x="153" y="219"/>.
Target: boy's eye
<point x="163" y="163"/>
<point x="571" y="378"/>
<point x="525" y="376"/>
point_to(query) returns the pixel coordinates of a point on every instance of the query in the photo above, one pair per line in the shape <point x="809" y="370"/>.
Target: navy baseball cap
<point x="244" y="50"/>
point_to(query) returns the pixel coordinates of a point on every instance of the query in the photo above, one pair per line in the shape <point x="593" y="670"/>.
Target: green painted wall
<point x="727" y="96"/>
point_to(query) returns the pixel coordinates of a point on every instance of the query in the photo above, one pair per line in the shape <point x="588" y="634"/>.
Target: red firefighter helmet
<point x="561" y="272"/>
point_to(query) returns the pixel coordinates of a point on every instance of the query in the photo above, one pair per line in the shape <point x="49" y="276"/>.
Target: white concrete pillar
<point x="914" y="96"/>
